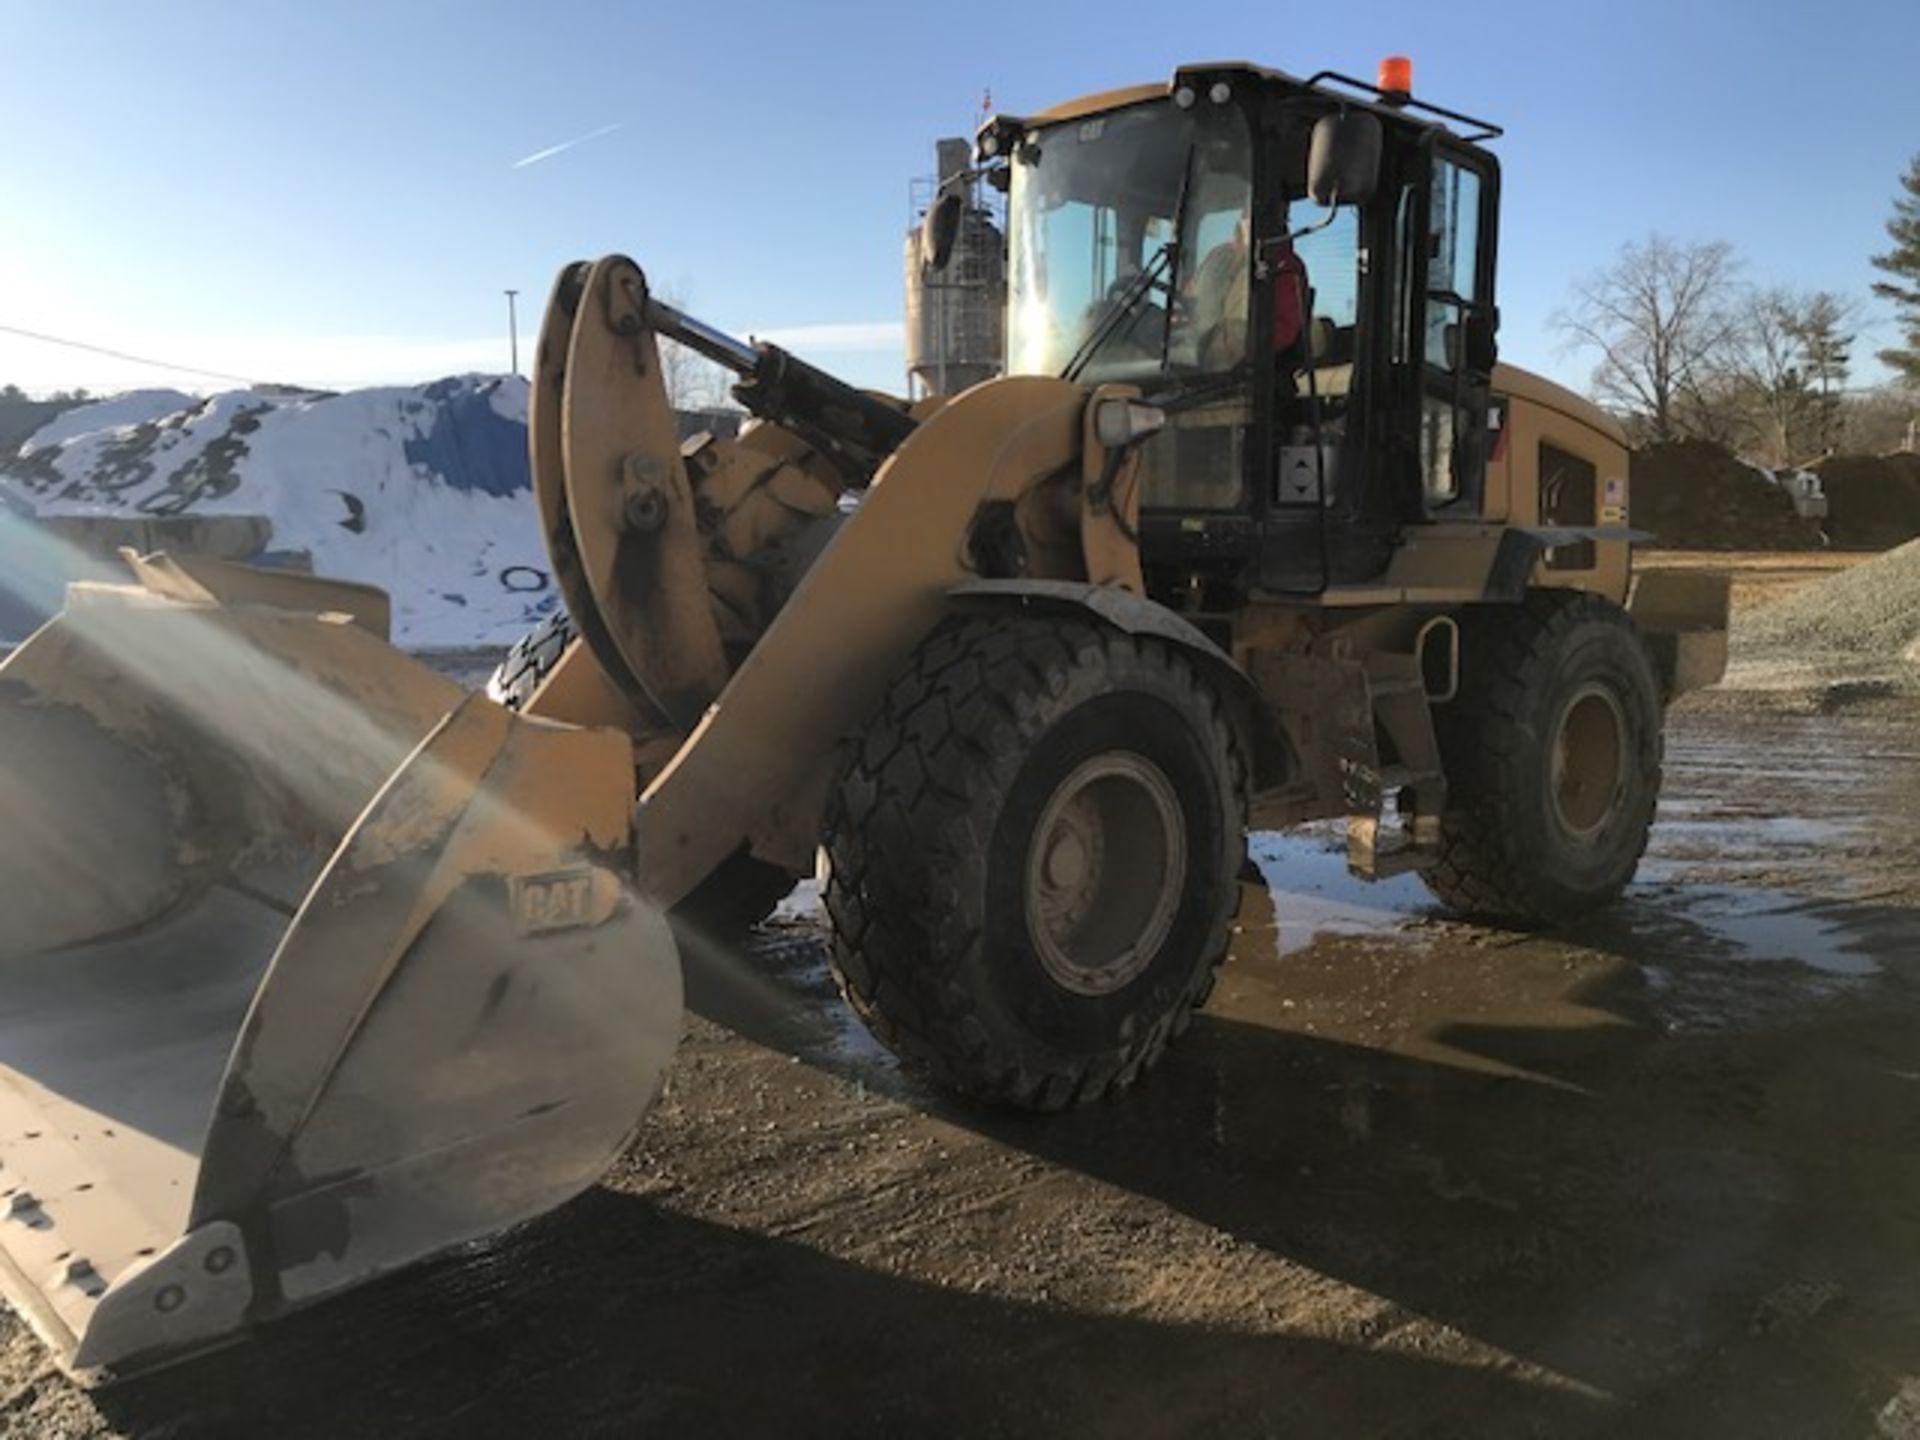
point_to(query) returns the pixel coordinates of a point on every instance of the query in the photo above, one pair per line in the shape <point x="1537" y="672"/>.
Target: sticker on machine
<point x="1613" y="502"/>
<point x="560" y="899"/>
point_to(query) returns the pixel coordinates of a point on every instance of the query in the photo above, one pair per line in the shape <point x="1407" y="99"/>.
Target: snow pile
<point x="116" y="412"/>
<point x="424" y="491"/>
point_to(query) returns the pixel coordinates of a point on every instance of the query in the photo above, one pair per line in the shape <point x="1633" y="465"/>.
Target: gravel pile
<point x="1863" y="622"/>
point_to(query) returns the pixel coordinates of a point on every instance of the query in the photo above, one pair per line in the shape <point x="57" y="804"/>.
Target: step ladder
<point x="1397" y="708"/>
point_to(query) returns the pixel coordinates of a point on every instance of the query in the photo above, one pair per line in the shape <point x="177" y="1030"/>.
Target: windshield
<point x="1096" y="279"/>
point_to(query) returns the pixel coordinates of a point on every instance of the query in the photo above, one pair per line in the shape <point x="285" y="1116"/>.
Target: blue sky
<point x="327" y="193"/>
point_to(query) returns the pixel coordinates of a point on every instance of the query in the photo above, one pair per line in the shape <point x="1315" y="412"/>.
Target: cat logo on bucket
<point x="559" y="900"/>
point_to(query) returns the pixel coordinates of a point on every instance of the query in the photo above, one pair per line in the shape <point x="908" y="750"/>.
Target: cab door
<point x="1455" y="320"/>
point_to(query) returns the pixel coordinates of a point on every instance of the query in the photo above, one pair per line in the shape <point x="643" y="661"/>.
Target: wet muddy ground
<point x="1406" y="1176"/>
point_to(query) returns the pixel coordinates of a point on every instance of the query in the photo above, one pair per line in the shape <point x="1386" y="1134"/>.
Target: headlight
<point x="1117" y="423"/>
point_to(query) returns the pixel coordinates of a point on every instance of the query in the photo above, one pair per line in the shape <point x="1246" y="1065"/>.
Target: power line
<point x="131" y="359"/>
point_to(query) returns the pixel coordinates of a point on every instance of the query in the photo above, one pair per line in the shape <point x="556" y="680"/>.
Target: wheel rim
<point x="1589" y="762"/>
<point x="1105" y="870"/>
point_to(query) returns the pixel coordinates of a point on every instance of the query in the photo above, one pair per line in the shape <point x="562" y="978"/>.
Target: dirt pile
<point x="1867" y="618"/>
<point x="1693" y="495"/>
<point x="1873" y="501"/>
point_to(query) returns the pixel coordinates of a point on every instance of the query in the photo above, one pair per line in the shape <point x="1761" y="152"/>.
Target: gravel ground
<point x="1832" y="640"/>
<point x="1652" y="1176"/>
<point x="1869" y="614"/>
<point x="1758" y="577"/>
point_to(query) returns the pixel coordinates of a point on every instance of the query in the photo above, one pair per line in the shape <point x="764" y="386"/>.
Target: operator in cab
<point x="1216" y="297"/>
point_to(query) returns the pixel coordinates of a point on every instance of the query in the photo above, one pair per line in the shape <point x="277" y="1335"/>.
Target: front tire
<point x="1034" y="857"/>
<point x="1552" y="752"/>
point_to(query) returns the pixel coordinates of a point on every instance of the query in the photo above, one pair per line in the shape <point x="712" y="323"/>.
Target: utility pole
<point x="513" y="331"/>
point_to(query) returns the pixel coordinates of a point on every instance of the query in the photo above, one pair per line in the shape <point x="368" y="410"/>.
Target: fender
<point x="1111" y="605"/>
<point x="1523" y="547"/>
<point x="1267" y="753"/>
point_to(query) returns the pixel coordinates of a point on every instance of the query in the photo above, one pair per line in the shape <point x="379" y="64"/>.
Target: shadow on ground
<point x="1548" y="1143"/>
<point x="617" y="1317"/>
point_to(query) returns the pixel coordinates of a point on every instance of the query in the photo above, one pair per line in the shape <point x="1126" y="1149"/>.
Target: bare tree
<point x="1776" y="393"/>
<point x="1766" y="394"/>
<point x="693" y="381"/>
<point x="1873" y="422"/>
<point x="1662" y="318"/>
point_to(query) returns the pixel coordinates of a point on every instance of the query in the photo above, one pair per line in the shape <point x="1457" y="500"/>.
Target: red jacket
<point x="1289" y="297"/>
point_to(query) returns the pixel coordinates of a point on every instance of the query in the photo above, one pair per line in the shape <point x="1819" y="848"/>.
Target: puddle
<point x="1762" y="928"/>
<point x="791" y="949"/>
<point x="1662" y="919"/>
<point x="1314" y="894"/>
<point x="1724" y="922"/>
<point x="1716" y="842"/>
<point x="1716" y="824"/>
<point x="802" y="904"/>
<point x="1322" y="950"/>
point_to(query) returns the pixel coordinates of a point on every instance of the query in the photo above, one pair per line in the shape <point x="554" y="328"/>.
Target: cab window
<point x="1453" y="252"/>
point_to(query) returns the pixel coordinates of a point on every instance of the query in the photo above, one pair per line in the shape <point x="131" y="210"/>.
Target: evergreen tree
<point x="1902" y="263"/>
<point x="1821" y="328"/>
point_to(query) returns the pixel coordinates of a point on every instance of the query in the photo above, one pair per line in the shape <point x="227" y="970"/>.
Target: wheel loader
<point x="312" y="965"/>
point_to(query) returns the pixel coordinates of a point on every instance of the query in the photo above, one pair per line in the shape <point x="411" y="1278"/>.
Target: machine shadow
<point x="617" y="1317"/>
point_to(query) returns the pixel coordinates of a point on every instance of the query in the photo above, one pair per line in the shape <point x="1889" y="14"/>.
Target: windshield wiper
<point x="1173" y="276"/>
<point x="1122" y="308"/>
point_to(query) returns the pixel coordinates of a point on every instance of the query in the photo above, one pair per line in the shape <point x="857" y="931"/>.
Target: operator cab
<point x="1301" y="274"/>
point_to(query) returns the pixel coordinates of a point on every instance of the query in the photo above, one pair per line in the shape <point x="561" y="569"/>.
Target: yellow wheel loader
<point x="312" y="965"/>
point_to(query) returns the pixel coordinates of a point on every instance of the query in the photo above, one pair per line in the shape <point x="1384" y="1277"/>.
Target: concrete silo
<point x="956" y="317"/>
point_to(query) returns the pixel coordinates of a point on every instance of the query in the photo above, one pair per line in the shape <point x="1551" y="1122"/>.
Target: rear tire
<point x="1552" y="753"/>
<point x="529" y="660"/>
<point x="1035" y="855"/>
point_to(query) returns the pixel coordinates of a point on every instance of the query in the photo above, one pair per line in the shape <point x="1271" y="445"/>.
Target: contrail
<point x="547" y="154"/>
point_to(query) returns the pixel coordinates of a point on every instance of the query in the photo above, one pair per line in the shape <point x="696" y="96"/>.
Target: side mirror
<point x="939" y="228"/>
<point x="1343" y="162"/>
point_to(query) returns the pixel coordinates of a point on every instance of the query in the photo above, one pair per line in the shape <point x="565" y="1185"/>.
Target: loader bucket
<point x="310" y="966"/>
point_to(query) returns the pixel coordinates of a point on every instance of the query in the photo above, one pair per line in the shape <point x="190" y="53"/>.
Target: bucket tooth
<point x="197" y="1293"/>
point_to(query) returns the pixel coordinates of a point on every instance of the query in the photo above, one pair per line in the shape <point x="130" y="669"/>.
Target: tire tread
<point x="1483" y="868"/>
<point x="975" y="688"/>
